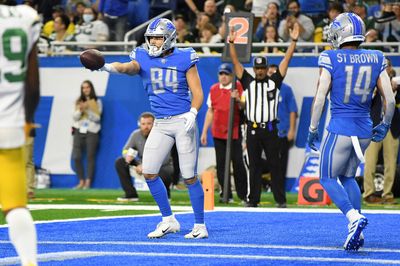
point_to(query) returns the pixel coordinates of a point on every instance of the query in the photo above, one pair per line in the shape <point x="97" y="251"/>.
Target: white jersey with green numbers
<point x="19" y="31"/>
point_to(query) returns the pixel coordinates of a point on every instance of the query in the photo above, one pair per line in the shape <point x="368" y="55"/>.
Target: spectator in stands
<point x="115" y="15"/>
<point x="271" y="17"/>
<point x="294" y="16"/>
<point x="287" y="116"/>
<point x="76" y="9"/>
<point x="91" y="30"/>
<point x="183" y="35"/>
<point x="271" y="36"/>
<point x="348" y="5"/>
<point x="391" y="29"/>
<point x="86" y="128"/>
<point x="237" y="5"/>
<point x="210" y="9"/>
<point x="201" y="20"/>
<point x="132" y="154"/>
<point x="372" y="36"/>
<point x="45" y="8"/>
<point x="208" y="35"/>
<point x="390" y="146"/>
<point x="322" y="28"/>
<point x="361" y="9"/>
<point x="48" y="27"/>
<point x="217" y="117"/>
<point x="61" y="34"/>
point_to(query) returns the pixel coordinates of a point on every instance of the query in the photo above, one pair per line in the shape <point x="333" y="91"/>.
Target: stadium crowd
<point x="202" y="21"/>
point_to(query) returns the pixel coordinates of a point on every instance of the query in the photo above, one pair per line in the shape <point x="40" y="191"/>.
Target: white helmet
<point x="160" y="27"/>
<point x="347" y="27"/>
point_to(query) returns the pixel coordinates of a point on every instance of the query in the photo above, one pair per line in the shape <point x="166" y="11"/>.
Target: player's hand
<point x="139" y="169"/>
<point x="312" y="137"/>
<point x="190" y="118"/>
<point x="232" y="35"/>
<point x="108" y="68"/>
<point x="295" y="31"/>
<point x="379" y="132"/>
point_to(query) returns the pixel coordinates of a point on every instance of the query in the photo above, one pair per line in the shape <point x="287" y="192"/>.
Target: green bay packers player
<point x="19" y="96"/>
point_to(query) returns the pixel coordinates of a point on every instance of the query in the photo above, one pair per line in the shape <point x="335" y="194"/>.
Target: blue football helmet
<point x="160" y="27"/>
<point x="347" y="27"/>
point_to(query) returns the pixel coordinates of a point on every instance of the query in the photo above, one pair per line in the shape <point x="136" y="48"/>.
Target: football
<point x="92" y="59"/>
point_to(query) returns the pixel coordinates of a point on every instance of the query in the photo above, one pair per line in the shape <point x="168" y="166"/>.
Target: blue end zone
<point x="236" y="238"/>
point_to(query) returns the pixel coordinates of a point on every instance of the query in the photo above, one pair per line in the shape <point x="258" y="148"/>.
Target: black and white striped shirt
<point x="262" y="97"/>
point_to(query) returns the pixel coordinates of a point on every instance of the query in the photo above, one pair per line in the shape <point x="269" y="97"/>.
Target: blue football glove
<point x="311" y="138"/>
<point x="379" y="132"/>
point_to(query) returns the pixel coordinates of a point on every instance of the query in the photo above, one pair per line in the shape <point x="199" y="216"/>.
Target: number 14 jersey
<point x="354" y="74"/>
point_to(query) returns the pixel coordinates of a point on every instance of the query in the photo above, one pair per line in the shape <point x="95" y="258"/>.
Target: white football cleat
<point x="165" y="227"/>
<point x="355" y="238"/>
<point x="198" y="231"/>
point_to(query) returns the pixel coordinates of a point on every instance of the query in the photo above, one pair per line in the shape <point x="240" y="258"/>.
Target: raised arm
<point x="238" y="67"/>
<point x="294" y="35"/>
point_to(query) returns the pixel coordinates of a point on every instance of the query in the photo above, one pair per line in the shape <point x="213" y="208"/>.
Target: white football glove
<point x="108" y="68"/>
<point x="190" y="118"/>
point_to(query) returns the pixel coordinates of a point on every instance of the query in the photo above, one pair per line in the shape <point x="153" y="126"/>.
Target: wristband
<point x="109" y="68"/>
<point x="194" y="111"/>
<point x="293" y="40"/>
<point x="231" y="41"/>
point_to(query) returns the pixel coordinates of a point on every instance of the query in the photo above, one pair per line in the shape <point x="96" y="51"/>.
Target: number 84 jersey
<point x="164" y="79"/>
<point x="19" y="31"/>
<point x="354" y="74"/>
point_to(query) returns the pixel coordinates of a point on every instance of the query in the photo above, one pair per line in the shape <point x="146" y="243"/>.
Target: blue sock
<point x="196" y="195"/>
<point x="159" y="192"/>
<point x="353" y="191"/>
<point x="337" y="193"/>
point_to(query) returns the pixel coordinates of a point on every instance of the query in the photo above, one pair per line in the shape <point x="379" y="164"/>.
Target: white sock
<point x="168" y="218"/>
<point x="353" y="215"/>
<point x="22" y="234"/>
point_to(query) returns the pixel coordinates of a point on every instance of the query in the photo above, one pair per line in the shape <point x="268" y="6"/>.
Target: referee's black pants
<point x="239" y="171"/>
<point x="259" y="139"/>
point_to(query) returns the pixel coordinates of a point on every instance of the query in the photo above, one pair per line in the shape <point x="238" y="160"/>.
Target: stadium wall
<point x="124" y="99"/>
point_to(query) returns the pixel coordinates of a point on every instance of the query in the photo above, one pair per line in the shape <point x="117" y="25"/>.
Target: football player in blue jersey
<point x="350" y="75"/>
<point x="173" y="85"/>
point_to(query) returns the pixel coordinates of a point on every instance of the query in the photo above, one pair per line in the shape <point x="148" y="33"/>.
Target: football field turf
<point x="236" y="237"/>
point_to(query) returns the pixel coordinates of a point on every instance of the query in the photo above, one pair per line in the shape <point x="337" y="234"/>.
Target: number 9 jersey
<point x="164" y="79"/>
<point x="19" y="31"/>
<point x="354" y="74"/>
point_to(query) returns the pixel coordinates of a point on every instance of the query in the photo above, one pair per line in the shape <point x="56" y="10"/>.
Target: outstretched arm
<point x="232" y="50"/>
<point x="130" y="68"/>
<point x="294" y="35"/>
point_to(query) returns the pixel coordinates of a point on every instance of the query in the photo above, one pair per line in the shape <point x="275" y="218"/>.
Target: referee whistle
<point x="254" y="125"/>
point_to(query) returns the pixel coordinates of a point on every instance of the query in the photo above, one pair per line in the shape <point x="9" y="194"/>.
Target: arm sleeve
<point x="246" y="78"/>
<point x="389" y="97"/>
<point x="320" y="97"/>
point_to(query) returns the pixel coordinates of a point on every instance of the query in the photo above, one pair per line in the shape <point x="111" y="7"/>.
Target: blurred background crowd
<point x="202" y="21"/>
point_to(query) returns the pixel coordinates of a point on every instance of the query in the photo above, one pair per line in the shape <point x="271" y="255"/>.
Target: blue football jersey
<point x="164" y="78"/>
<point x="354" y="75"/>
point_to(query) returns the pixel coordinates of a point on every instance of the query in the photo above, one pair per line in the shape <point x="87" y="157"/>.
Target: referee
<point x="262" y="94"/>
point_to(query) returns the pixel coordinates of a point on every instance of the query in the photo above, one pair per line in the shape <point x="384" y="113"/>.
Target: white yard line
<point x="198" y="244"/>
<point x="62" y="256"/>
<point x="189" y="208"/>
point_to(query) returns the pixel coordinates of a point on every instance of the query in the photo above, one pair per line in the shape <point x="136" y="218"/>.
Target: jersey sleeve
<point x="246" y="79"/>
<point x="32" y="18"/>
<point x="193" y="58"/>
<point x="325" y="61"/>
<point x="384" y="61"/>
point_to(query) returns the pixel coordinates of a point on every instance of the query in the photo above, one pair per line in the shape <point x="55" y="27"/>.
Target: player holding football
<point x="19" y="79"/>
<point x="350" y="75"/>
<point x="168" y="74"/>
